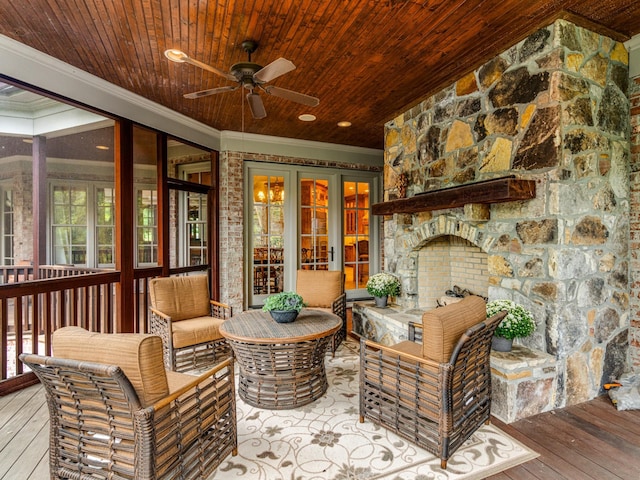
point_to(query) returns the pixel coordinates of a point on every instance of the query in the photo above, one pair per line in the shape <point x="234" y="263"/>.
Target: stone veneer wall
<point x="634" y="244"/>
<point x="553" y="108"/>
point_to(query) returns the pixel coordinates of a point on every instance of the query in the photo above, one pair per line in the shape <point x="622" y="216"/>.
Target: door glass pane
<point x="356" y="234"/>
<point x="314" y="224"/>
<point x="268" y="234"/>
<point x="196" y="227"/>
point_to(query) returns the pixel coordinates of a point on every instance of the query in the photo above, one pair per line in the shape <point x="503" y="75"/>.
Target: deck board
<point x="588" y="441"/>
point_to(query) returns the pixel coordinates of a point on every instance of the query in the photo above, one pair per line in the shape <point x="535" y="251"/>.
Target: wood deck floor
<point x="588" y="441"/>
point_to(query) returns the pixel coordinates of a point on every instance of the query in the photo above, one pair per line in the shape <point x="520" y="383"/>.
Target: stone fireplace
<point x="553" y="109"/>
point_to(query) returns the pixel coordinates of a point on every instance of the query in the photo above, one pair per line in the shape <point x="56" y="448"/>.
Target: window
<point x="147" y="227"/>
<point x="105" y="226"/>
<point x="7" y="226"/>
<point x="83" y="225"/>
<point x="69" y="225"/>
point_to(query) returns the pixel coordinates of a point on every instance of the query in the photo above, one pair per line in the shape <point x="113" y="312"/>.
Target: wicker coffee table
<point x="280" y="365"/>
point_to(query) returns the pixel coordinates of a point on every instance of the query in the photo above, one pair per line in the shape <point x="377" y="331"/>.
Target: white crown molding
<point x="31" y="66"/>
<point x="291" y="147"/>
<point x="28" y="65"/>
<point x="633" y="45"/>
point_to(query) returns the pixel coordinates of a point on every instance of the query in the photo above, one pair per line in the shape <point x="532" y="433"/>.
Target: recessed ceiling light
<point x="102" y="147"/>
<point x="307" y="117"/>
<point x="344" y="124"/>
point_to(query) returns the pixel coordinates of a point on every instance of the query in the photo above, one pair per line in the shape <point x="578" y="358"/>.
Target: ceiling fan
<point x="249" y="75"/>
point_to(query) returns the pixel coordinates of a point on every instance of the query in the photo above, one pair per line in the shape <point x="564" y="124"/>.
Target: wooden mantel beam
<point x="506" y="189"/>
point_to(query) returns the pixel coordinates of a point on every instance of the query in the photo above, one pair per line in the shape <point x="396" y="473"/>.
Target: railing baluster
<point x="35" y="322"/>
<point x="4" y="327"/>
<point x="48" y="322"/>
<point x="19" y="340"/>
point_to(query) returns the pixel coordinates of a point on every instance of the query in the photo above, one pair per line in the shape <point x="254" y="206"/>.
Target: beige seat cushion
<point x="443" y="327"/>
<point x="180" y="297"/>
<point x="195" y="331"/>
<point x="138" y="355"/>
<point x="319" y="288"/>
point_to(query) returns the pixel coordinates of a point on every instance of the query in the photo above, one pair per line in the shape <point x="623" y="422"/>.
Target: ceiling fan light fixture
<point x="250" y="76"/>
<point x="344" y="124"/>
<point x="307" y="117"/>
<point x="175" y="55"/>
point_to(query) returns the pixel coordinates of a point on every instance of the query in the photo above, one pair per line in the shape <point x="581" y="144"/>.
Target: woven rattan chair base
<point x="202" y="355"/>
<point x="281" y="376"/>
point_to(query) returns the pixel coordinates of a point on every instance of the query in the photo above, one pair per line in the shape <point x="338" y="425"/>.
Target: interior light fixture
<point x="27" y="140"/>
<point x="307" y="117"/>
<point x="102" y="147"/>
<point x="275" y="191"/>
<point x="344" y="124"/>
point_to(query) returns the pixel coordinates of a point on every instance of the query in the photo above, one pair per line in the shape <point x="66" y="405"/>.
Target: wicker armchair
<point x="115" y="412"/>
<point x="188" y="322"/>
<point x="434" y="394"/>
<point x="324" y="290"/>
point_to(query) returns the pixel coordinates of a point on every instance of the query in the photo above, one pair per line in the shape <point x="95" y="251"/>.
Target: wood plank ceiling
<point x="365" y="60"/>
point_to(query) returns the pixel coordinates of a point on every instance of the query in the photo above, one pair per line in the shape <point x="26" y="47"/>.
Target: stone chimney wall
<point x="554" y="109"/>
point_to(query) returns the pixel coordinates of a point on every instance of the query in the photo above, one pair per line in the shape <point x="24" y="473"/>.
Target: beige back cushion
<point x="180" y="297"/>
<point x="138" y="355"/>
<point x="319" y="288"/>
<point x="443" y="327"/>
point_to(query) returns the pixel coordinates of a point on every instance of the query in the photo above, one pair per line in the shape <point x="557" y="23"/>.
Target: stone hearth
<point x="552" y="109"/>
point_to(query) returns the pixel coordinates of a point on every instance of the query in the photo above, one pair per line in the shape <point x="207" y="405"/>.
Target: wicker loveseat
<point x="115" y="412"/>
<point x="324" y="290"/>
<point x="434" y="394"/>
<point x="188" y="322"/>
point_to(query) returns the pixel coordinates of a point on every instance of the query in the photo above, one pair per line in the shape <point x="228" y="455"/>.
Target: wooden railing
<point x="31" y="310"/>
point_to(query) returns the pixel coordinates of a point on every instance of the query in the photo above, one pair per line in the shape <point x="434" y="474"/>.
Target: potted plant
<point x="517" y="324"/>
<point x="381" y="285"/>
<point x="284" y="306"/>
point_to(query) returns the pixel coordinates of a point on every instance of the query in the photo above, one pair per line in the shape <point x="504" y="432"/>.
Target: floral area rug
<point x="324" y="440"/>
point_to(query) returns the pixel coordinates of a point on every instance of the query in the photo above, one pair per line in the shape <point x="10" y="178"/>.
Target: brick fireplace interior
<point x="446" y="262"/>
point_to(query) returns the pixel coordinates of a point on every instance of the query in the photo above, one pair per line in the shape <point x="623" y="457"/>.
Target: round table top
<point x="258" y="326"/>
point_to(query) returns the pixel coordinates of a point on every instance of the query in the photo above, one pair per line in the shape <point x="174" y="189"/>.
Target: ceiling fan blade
<point x="179" y="56"/>
<point x="210" y="91"/>
<point x="274" y="70"/>
<point x="256" y="105"/>
<point x="293" y="96"/>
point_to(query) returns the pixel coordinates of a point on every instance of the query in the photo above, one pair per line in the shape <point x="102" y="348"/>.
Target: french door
<point x="305" y="219"/>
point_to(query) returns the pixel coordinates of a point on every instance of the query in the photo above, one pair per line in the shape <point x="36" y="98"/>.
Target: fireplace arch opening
<point x="446" y="262"/>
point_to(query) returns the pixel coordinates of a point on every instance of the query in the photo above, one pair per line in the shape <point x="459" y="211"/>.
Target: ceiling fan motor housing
<point x="244" y="72"/>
